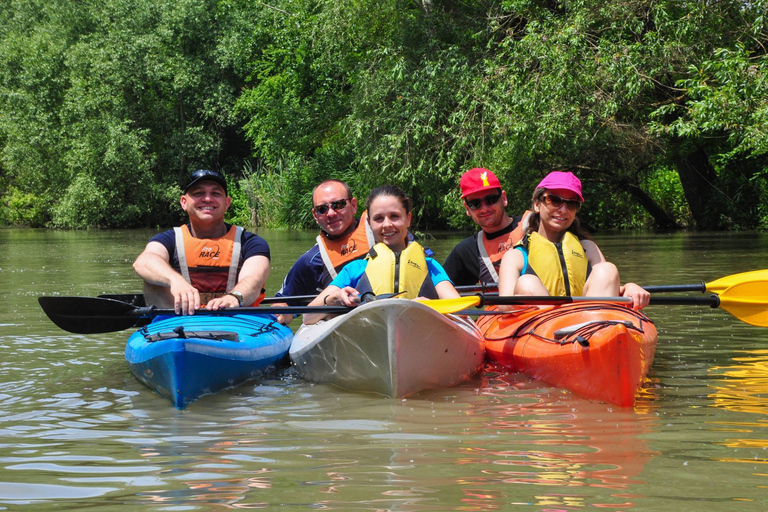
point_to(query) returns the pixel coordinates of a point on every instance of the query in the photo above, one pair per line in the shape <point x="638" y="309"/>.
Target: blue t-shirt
<point x="307" y="276"/>
<point x="251" y="245"/>
<point x="353" y="271"/>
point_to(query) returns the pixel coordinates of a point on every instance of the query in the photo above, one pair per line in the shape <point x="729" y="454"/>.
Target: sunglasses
<point x="557" y="201"/>
<point x="474" y="204"/>
<point x="322" y="209"/>
<point x="204" y="173"/>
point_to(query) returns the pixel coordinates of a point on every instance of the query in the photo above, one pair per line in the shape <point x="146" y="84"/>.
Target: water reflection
<point x="480" y="446"/>
<point x="576" y="442"/>
<point x="743" y="388"/>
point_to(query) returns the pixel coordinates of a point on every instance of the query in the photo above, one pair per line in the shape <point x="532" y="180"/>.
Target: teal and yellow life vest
<point x="405" y="272"/>
<point x="562" y="267"/>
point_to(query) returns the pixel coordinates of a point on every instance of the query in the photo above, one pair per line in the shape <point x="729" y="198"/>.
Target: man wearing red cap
<point x="477" y="258"/>
<point x="205" y="262"/>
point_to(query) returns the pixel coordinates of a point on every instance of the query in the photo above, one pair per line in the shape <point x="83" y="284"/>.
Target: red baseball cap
<point x="563" y="181"/>
<point x="477" y="180"/>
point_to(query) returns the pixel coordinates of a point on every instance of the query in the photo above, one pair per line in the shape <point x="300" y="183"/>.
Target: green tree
<point x="113" y="103"/>
<point x="659" y="106"/>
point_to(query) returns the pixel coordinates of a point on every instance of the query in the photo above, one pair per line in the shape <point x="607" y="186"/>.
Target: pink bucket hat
<point x="477" y="180"/>
<point x="562" y="180"/>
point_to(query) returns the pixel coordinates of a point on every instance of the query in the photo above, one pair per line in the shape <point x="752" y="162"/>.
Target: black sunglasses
<point x="557" y="201"/>
<point x="322" y="209"/>
<point x="205" y="173"/>
<point x="491" y="200"/>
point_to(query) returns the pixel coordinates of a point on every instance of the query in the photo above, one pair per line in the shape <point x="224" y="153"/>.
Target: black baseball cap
<point x="205" y="174"/>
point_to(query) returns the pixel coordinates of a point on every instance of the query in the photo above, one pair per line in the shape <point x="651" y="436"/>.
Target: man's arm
<point x="153" y="265"/>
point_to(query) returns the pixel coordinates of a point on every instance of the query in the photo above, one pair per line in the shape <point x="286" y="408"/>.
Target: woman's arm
<point x="332" y="296"/>
<point x="446" y="290"/>
<point x="594" y="255"/>
<point x="509" y="271"/>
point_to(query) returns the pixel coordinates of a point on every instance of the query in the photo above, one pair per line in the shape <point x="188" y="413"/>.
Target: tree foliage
<point x="661" y="107"/>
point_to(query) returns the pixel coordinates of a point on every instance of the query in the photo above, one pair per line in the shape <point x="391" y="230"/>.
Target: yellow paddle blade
<point x="720" y="285"/>
<point x="446" y="306"/>
<point x="747" y="301"/>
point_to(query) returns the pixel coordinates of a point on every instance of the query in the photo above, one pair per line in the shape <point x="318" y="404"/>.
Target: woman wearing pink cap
<point x="555" y="256"/>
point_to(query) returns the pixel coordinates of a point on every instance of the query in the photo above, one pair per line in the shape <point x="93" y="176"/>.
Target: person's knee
<point x="603" y="280"/>
<point x="530" y="285"/>
<point x="605" y="272"/>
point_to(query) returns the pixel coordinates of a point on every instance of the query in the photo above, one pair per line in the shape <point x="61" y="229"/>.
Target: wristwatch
<point x="237" y="295"/>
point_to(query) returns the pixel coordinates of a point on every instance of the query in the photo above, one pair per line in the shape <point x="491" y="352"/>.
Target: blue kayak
<point x="186" y="357"/>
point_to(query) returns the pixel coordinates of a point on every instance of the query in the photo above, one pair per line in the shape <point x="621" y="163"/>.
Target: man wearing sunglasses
<point x="205" y="262"/>
<point x="343" y="238"/>
<point x="476" y="259"/>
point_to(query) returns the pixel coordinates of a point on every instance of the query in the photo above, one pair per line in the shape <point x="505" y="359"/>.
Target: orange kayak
<point x="598" y="350"/>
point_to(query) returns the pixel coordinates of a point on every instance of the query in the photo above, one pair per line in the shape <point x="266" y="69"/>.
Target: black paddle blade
<point x="90" y="315"/>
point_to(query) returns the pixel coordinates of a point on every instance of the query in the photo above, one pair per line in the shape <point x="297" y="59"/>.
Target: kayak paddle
<point x="746" y="301"/>
<point x="137" y="299"/>
<point x="91" y="315"/>
<point x="718" y="285"/>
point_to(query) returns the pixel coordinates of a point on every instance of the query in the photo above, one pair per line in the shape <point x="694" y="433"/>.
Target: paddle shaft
<point x="138" y="298"/>
<point x="700" y="287"/>
<point x="711" y="300"/>
<point x="495" y="300"/>
<point x="151" y="311"/>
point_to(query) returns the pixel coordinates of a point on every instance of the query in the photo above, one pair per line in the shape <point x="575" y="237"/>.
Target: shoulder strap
<point x="485" y="258"/>
<point x="234" y="264"/>
<point x="325" y="257"/>
<point x="181" y="253"/>
<point x="368" y="230"/>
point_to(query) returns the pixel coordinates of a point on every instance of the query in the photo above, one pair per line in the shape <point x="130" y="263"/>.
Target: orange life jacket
<point x="355" y="245"/>
<point x="491" y="251"/>
<point x="210" y="264"/>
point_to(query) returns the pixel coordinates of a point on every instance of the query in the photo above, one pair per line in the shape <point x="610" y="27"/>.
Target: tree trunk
<point x="661" y="219"/>
<point x="699" y="179"/>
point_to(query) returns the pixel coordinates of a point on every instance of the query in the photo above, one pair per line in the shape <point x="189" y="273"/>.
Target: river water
<point x="78" y="432"/>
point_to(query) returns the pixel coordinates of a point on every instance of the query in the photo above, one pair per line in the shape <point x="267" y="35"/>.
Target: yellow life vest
<point x="390" y="272"/>
<point x="563" y="267"/>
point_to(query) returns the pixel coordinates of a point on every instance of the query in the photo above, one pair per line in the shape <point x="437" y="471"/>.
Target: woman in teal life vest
<point x="395" y="265"/>
<point x="555" y="256"/>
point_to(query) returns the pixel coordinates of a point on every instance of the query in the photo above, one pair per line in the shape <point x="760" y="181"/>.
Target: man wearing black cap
<point x="205" y="262"/>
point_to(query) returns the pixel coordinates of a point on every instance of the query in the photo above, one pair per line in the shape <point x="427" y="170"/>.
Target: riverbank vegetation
<point x="661" y="107"/>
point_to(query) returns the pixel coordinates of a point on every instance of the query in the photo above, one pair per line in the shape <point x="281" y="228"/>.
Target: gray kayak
<point x="393" y="347"/>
